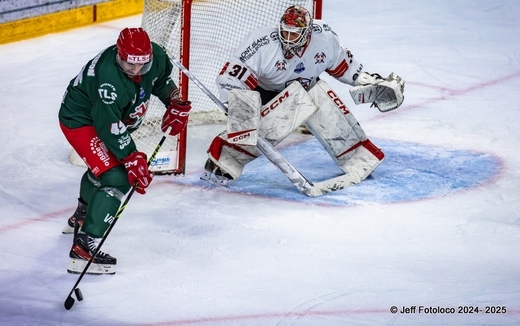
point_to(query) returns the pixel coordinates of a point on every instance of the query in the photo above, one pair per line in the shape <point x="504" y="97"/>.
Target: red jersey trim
<point x="339" y="70"/>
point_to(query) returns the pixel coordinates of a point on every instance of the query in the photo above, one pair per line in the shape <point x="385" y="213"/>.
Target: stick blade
<point x="69" y="302"/>
<point x="324" y="187"/>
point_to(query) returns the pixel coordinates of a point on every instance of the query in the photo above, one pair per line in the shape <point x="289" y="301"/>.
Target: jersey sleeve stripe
<point x="339" y="70"/>
<point x="224" y="68"/>
<point x="251" y="82"/>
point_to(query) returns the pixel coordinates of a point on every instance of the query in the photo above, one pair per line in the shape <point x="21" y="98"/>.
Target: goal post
<point x="201" y="34"/>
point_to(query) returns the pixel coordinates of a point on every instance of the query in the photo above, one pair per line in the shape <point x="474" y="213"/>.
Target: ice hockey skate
<point x="79" y="214"/>
<point x="213" y="174"/>
<point x="81" y="252"/>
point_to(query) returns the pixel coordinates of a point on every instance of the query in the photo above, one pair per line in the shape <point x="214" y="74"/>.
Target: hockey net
<point x="201" y="35"/>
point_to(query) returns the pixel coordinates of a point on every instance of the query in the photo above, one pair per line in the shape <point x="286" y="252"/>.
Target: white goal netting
<point x="215" y="28"/>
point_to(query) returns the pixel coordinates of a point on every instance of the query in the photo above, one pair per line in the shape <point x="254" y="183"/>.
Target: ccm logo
<point x="338" y="102"/>
<point x="274" y="105"/>
<point x="237" y="138"/>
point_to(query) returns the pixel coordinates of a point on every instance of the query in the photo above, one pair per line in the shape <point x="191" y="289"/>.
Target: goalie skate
<point x="76" y="266"/>
<point x="213" y="174"/>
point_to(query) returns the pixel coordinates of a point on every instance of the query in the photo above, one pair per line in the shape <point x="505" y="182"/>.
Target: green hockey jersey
<point x="103" y="96"/>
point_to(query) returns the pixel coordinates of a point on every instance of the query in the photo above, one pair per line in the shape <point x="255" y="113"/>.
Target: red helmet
<point x="296" y="24"/>
<point x="134" y="47"/>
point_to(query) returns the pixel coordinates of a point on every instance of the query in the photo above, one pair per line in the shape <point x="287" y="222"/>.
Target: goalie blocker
<point x="322" y="111"/>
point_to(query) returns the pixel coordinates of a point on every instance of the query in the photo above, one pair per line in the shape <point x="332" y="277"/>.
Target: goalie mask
<point x="134" y="52"/>
<point x="294" y="30"/>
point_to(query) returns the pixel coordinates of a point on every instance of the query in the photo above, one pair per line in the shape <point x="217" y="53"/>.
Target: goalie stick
<point x="295" y="177"/>
<point x="69" y="302"/>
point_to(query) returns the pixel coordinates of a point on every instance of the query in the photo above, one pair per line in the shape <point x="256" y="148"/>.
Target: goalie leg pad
<point x="334" y="125"/>
<point x="243" y="117"/>
<point x="364" y="159"/>
<point x="336" y="128"/>
<point x="278" y="119"/>
<point x="231" y="158"/>
<point x="285" y="113"/>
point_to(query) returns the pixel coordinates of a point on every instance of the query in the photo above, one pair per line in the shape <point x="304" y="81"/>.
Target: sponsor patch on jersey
<point x="356" y="75"/>
<point x="142" y="93"/>
<point x="92" y="67"/>
<point x="228" y="86"/>
<point x="300" y="67"/>
<point x="253" y="48"/>
<point x="99" y="149"/>
<point x="124" y="141"/>
<point x="107" y="93"/>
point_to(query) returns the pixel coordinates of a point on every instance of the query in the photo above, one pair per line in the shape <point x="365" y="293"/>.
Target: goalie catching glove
<point x="137" y="168"/>
<point x="384" y="93"/>
<point x="176" y="116"/>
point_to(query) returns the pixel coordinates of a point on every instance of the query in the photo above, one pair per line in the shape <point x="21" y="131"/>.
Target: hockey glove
<point x="137" y="169"/>
<point x="176" y="116"/>
<point x="384" y="93"/>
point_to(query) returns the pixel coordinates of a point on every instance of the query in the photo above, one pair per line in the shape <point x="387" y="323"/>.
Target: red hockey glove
<point x="137" y="169"/>
<point x="176" y="116"/>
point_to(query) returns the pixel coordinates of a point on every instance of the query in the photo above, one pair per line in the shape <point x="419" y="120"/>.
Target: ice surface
<point x="437" y="225"/>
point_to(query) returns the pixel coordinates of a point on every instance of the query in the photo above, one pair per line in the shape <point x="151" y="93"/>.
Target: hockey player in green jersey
<point x="102" y="105"/>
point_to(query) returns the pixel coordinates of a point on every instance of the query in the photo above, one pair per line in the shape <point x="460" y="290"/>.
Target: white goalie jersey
<point x="265" y="103"/>
<point x="259" y="61"/>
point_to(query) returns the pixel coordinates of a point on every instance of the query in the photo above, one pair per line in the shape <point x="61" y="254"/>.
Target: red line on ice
<point x="267" y="316"/>
<point x="37" y="219"/>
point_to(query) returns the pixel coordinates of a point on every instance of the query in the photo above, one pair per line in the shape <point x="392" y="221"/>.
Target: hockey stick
<point x="69" y="302"/>
<point x="268" y="150"/>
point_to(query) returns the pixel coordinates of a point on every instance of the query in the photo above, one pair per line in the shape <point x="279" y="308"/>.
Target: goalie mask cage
<point x="201" y="35"/>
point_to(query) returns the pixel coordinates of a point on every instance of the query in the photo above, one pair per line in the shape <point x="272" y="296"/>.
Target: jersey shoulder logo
<point x="274" y="37"/>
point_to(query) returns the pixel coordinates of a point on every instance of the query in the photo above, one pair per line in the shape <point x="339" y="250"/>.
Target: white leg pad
<point x="231" y="158"/>
<point x="336" y="128"/>
<point x="243" y="117"/>
<point x="278" y="118"/>
<point x="285" y="113"/>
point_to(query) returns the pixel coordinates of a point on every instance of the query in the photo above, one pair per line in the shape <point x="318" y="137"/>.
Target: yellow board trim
<point x="65" y="20"/>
